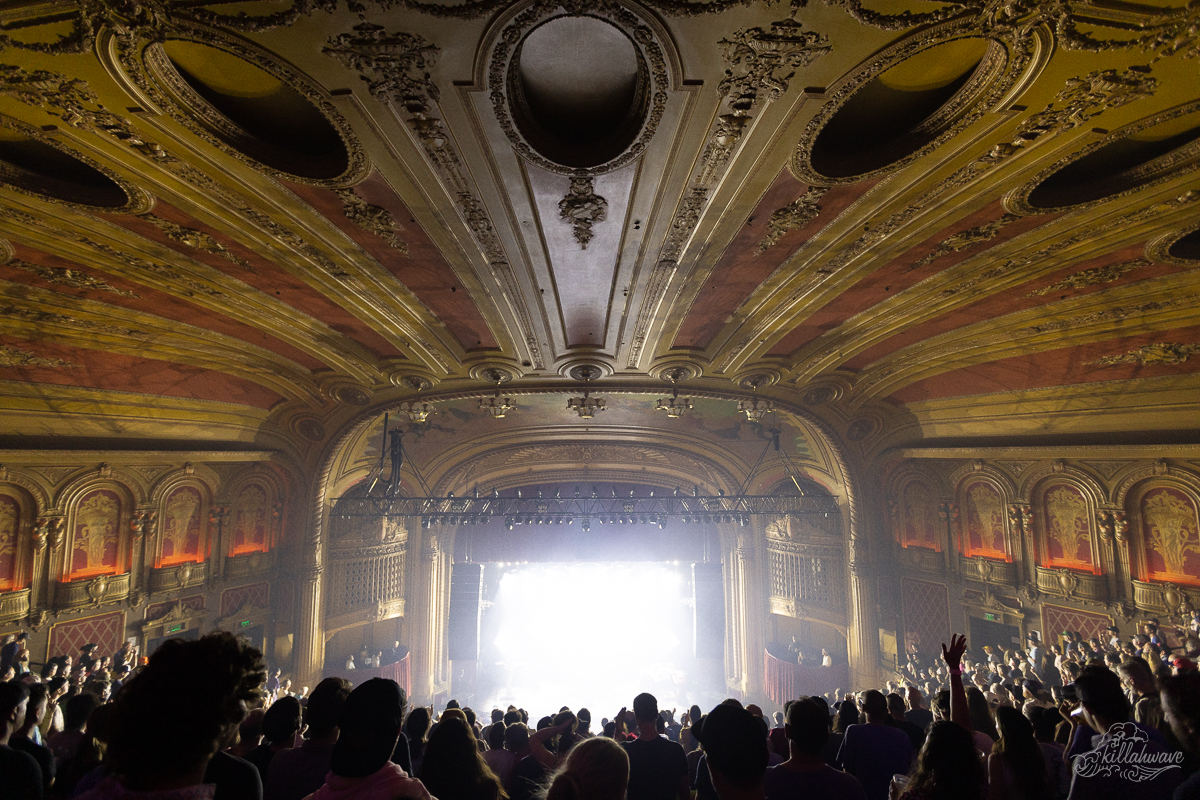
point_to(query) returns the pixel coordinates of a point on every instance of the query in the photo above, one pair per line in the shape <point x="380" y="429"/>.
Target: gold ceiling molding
<point x="929" y="299"/>
<point x="1152" y="354"/>
<point x="963" y="240"/>
<point x="395" y="68"/>
<point x="750" y="82"/>
<point x="1093" y="276"/>
<point x="1167" y="32"/>
<point x="16" y="357"/>
<point x="197" y="240"/>
<point x="1160" y="250"/>
<point x="1012" y="334"/>
<point x="72" y="278"/>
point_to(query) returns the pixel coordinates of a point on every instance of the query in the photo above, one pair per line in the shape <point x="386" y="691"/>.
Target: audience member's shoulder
<point x="22" y="775"/>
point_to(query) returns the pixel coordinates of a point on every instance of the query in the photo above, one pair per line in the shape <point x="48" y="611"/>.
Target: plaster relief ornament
<point x="985" y="519"/>
<point x="582" y="208"/>
<point x="9" y="528"/>
<point x="795" y="214"/>
<point x="182" y="523"/>
<point x="1170" y="525"/>
<point x="1159" y="353"/>
<point x="96" y="531"/>
<point x="1067" y="524"/>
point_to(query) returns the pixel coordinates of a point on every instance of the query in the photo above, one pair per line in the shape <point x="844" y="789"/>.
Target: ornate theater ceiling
<point x="246" y="224"/>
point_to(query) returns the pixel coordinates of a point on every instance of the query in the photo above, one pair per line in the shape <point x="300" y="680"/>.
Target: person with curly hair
<point x="168" y="722"/>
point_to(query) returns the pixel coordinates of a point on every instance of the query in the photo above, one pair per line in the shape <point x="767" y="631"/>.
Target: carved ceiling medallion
<point x="520" y="97"/>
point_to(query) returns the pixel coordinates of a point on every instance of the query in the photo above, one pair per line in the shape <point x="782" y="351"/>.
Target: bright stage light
<point x="591" y="635"/>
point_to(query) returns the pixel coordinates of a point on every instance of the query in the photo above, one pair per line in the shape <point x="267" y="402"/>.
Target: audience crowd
<point x="204" y="719"/>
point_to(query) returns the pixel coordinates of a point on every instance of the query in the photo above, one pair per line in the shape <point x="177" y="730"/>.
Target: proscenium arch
<point x="339" y="467"/>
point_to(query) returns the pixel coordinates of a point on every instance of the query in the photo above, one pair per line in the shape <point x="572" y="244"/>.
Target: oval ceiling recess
<point x="901" y="110"/>
<point x="34" y="166"/>
<point x="1123" y="165"/>
<point x="256" y="113"/>
<point x="578" y="91"/>
<point x="1186" y="247"/>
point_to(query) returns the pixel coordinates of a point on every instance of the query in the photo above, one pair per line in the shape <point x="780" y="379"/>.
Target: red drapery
<point x="785" y="681"/>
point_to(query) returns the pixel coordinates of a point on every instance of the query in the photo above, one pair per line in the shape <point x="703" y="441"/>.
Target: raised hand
<point x="953" y="654"/>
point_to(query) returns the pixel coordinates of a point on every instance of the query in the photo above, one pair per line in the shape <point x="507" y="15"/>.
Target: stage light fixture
<point x="755" y="410"/>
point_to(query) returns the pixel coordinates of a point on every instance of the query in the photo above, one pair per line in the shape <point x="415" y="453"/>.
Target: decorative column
<point x="426" y="620"/>
<point x="217" y="514"/>
<point x="863" y="644"/>
<point x="37" y="583"/>
<point x="1020" y="521"/>
<point x="55" y="528"/>
<point x="141" y="539"/>
<point x="752" y="607"/>
<point x="309" y="650"/>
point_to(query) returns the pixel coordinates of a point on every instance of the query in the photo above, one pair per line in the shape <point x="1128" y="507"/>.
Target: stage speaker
<point x="466" y="586"/>
<point x="708" y="610"/>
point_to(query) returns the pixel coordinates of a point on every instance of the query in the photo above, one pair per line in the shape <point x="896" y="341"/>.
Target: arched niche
<point x="1065" y="514"/>
<point x="982" y="499"/>
<point x="914" y="505"/>
<point x="182" y="523"/>
<point x="18" y="516"/>
<point x="98" y="541"/>
<point x="254" y="519"/>
<point x="1164" y="527"/>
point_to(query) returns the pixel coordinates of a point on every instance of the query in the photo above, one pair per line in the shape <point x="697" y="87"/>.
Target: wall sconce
<point x="674" y="407"/>
<point x="586" y="407"/>
<point x="497" y="406"/>
<point x="417" y="412"/>
<point x="755" y="410"/>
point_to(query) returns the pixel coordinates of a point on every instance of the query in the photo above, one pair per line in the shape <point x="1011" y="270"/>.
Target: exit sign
<point x="245" y="623"/>
<point x="176" y="629"/>
<point x="990" y="617"/>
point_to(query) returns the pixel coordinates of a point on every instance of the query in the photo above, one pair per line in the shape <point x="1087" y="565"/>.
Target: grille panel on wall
<point x="808" y="574"/>
<point x="369" y="580"/>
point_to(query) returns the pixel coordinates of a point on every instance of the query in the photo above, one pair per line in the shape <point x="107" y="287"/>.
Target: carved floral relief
<point x="182" y="527"/>
<point x="96" y="541"/>
<point x="919" y="517"/>
<point x="10" y="528"/>
<point x="983" y="523"/>
<point x="251" y="521"/>
<point x="1170" y="535"/>
<point x="1067" y="526"/>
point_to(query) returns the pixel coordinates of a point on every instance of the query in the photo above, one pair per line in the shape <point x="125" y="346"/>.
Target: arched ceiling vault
<point x="246" y="223"/>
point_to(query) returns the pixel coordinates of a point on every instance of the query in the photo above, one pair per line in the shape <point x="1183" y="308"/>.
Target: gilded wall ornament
<point x="760" y="65"/>
<point x="582" y="208"/>
<point x="197" y="240"/>
<point x="1116" y="313"/>
<point x="795" y="214"/>
<point x="965" y="239"/>
<point x="372" y="219"/>
<point x="64" y="276"/>
<point x="16" y="357"/>
<point x="1093" y="276"/>
<point x="1157" y="354"/>
<point x="395" y="68"/>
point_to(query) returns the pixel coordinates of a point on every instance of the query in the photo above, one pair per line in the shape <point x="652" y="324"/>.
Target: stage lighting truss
<point x="587" y="511"/>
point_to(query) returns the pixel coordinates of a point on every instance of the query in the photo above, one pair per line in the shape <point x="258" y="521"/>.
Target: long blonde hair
<point x="596" y="769"/>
